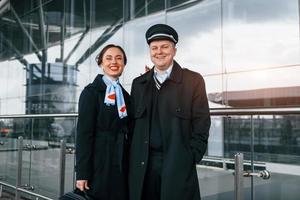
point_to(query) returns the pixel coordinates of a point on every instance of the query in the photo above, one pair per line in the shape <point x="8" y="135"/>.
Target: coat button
<point x="146" y="141"/>
<point x="178" y="110"/>
<point x="139" y="110"/>
<point x="142" y="163"/>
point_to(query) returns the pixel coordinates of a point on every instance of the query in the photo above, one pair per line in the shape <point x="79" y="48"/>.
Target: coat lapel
<point x="173" y="91"/>
<point x="176" y="74"/>
<point x="99" y="84"/>
<point x="146" y="96"/>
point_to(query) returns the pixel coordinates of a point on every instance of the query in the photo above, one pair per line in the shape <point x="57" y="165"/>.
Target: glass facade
<point x="247" y="51"/>
<point x="48" y="47"/>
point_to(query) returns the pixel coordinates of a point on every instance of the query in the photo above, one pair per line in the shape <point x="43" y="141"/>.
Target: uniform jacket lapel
<point x="176" y="74"/>
<point x="146" y="95"/>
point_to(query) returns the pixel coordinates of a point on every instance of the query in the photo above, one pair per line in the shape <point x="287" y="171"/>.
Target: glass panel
<point x="276" y="146"/>
<point x="199" y="46"/>
<point x="21" y="24"/>
<point x="172" y="3"/>
<point x="44" y="160"/>
<point x="41" y="153"/>
<point x="277" y="139"/>
<point x="13" y="89"/>
<point x="145" y="7"/>
<point x="260" y="34"/>
<point x="215" y="145"/>
<point x="215" y="183"/>
<point x="281" y="89"/>
<point x="261" y="42"/>
<point x="213" y="170"/>
<point x="213" y="87"/>
<point x="237" y="136"/>
<point x="54" y="93"/>
<point x="8" y="151"/>
<point x="106" y="12"/>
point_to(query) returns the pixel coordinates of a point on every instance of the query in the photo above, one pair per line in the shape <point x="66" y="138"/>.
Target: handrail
<point x="213" y="112"/>
<point x="38" y="115"/>
<point x="24" y="191"/>
<point x="254" y="111"/>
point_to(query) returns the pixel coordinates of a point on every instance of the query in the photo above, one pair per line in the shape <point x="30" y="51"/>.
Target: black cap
<point x="161" y="32"/>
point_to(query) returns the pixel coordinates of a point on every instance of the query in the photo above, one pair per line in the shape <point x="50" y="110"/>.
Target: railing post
<point x="238" y="176"/>
<point x="62" y="164"/>
<point x="252" y="156"/>
<point x="1" y="188"/>
<point x="19" y="167"/>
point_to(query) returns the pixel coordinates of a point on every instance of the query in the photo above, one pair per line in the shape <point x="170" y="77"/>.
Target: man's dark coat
<point x="101" y="143"/>
<point x="184" y="120"/>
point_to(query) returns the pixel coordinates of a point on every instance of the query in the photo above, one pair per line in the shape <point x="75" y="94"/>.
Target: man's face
<point x="162" y="53"/>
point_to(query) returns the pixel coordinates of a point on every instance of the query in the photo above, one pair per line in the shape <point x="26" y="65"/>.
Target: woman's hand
<point x="82" y="185"/>
<point x="147" y="69"/>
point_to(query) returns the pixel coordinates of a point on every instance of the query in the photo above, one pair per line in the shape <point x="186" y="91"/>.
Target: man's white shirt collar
<point x="164" y="75"/>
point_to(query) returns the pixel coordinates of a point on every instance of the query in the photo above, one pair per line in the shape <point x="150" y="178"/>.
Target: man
<point x="171" y="124"/>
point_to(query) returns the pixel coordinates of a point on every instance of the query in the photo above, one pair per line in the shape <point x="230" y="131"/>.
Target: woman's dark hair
<point x="102" y="52"/>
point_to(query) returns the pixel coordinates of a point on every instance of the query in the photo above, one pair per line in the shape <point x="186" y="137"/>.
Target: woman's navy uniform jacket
<point x="184" y="124"/>
<point x="101" y="144"/>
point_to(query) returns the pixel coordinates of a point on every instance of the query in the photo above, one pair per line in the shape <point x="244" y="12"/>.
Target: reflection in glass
<point x="276" y="138"/>
<point x="51" y="90"/>
<point x="140" y="8"/>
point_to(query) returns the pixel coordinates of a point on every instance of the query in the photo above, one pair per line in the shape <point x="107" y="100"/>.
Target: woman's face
<point x="113" y="62"/>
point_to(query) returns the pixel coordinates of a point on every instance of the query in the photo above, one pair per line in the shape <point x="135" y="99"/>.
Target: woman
<point x="102" y="131"/>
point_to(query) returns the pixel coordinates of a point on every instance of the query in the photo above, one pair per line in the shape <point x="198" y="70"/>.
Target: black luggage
<point x="75" y="195"/>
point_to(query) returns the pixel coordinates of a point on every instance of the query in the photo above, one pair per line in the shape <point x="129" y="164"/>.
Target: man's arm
<point x="200" y="120"/>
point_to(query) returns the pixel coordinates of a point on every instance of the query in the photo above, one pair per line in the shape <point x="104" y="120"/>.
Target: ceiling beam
<point x="108" y="33"/>
<point x="26" y="32"/>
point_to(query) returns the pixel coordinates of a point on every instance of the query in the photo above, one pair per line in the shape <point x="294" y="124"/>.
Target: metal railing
<point x="239" y="157"/>
<point x="254" y="111"/>
<point x="19" y="188"/>
<point x="214" y="112"/>
<point x="37" y="116"/>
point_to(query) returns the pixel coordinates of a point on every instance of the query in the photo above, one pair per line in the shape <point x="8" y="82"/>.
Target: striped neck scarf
<point x="113" y="93"/>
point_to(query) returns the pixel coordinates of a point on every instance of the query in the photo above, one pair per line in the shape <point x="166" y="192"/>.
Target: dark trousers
<point x="152" y="181"/>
